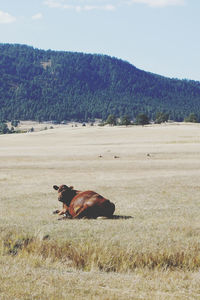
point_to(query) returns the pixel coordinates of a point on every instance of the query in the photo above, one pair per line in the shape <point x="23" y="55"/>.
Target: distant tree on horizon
<point x="142" y="119"/>
<point x="125" y="120"/>
<point x="191" y="118"/>
<point x="4" y="128"/>
<point x="15" y="123"/>
<point x="111" y="120"/>
<point x="161" y="117"/>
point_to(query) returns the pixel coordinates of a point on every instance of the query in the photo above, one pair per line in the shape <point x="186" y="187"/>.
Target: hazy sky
<point x="160" y="36"/>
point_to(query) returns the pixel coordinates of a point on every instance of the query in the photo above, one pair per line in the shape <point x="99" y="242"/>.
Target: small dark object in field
<point x="46" y="237"/>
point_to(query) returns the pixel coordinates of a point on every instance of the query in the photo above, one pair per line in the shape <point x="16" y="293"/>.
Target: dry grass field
<point x="153" y="255"/>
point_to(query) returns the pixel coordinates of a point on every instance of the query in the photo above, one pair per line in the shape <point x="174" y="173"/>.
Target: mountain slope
<point x="56" y="85"/>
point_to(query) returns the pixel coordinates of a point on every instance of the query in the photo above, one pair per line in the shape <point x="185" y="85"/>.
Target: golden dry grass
<point x="153" y="255"/>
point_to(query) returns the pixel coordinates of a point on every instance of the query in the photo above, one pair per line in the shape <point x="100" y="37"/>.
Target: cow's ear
<point x="55" y="187"/>
<point x="71" y="187"/>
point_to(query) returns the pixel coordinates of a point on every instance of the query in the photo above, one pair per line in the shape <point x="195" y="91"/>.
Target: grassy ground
<point x="155" y="254"/>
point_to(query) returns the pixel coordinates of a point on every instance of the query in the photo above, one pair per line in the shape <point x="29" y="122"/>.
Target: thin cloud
<point x="79" y="7"/>
<point x="6" y="18"/>
<point x="38" y="16"/>
<point x="53" y="4"/>
<point x="107" y="7"/>
<point x="159" y="3"/>
<point x="88" y="5"/>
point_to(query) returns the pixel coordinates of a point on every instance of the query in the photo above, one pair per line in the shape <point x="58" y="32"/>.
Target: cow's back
<point x="95" y="205"/>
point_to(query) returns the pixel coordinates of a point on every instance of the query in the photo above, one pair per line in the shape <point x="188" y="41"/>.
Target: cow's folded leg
<point x="82" y="212"/>
<point x="62" y="212"/>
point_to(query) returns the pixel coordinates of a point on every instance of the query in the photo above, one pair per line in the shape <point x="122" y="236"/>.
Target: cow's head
<point x="65" y="193"/>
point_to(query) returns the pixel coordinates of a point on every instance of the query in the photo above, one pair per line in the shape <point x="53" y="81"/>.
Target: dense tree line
<point x="56" y="85"/>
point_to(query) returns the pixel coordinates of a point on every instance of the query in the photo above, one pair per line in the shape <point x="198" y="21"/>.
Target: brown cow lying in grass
<point x="88" y="204"/>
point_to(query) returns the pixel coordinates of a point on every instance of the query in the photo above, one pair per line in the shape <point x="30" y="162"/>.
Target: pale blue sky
<point x="160" y="36"/>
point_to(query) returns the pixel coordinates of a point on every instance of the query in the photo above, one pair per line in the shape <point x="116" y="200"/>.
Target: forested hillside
<point x="55" y="85"/>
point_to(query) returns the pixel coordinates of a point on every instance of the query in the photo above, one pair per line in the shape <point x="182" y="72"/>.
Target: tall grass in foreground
<point x="108" y="257"/>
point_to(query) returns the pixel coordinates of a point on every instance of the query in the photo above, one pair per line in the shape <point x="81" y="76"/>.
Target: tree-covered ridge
<point x="57" y="85"/>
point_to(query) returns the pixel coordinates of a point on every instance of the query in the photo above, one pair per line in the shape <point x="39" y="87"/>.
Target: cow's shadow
<point x="114" y="217"/>
<point x="119" y="217"/>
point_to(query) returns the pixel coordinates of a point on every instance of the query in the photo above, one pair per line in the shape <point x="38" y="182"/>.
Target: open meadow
<point x="152" y="251"/>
